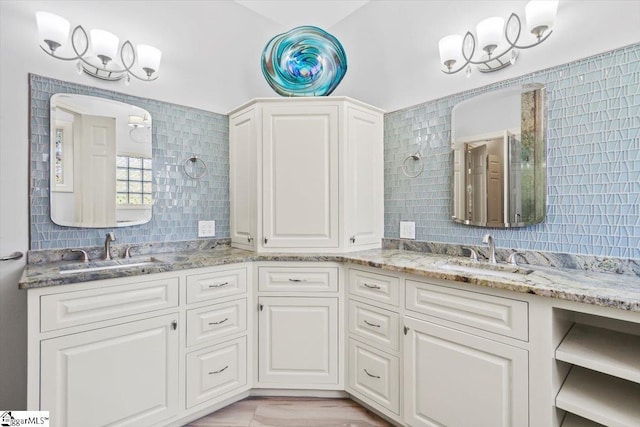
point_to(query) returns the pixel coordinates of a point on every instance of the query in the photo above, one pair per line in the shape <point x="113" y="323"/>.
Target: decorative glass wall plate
<point x="305" y="61"/>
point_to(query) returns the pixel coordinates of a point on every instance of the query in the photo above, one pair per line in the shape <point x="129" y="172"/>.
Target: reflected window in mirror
<point x="499" y="158"/>
<point x="101" y="167"/>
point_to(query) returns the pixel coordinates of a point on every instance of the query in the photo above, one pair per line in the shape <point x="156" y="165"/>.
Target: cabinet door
<point x="455" y="379"/>
<point x="125" y="375"/>
<point x="243" y="147"/>
<point x="364" y="178"/>
<point x="298" y="341"/>
<point x="300" y="176"/>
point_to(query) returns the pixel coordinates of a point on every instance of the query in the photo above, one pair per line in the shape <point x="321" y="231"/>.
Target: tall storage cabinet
<point x="306" y="174"/>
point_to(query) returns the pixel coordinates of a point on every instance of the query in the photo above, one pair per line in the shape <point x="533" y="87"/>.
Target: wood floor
<point x="291" y="412"/>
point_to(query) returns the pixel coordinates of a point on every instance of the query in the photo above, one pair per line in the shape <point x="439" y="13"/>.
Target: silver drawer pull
<point x="371" y="375"/>
<point x="219" y="285"/>
<point x="366" y="285"/>
<point x="372" y="324"/>
<point x="217" y="372"/>
<point x="297" y="280"/>
<point x="217" y="323"/>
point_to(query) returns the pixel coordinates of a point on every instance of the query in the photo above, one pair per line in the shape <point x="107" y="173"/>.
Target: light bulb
<point x="105" y="45"/>
<point x="450" y="48"/>
<point x="540" y="15"/>
<point x="490" y="33"/>
<point x="149" y="58"/>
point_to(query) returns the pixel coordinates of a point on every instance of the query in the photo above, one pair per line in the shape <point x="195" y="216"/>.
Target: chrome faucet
<point x="107" y="245"/>
<point x="492" y="248"/>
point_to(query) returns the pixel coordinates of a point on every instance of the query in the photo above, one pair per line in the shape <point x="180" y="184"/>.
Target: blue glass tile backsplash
<point x="178" y="133"/>
<point x="593" y="163"/>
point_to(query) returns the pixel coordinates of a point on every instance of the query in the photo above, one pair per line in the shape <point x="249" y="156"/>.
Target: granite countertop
<point x="620" y="291"/>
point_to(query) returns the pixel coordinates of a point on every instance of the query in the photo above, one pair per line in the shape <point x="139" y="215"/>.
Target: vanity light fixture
<point x="139" y="121"/>
<point x="101" y="60"/>
<point x="496" y="39"/>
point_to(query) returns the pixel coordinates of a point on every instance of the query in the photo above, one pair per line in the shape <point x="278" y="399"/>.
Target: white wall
<point x="392" y="46"/>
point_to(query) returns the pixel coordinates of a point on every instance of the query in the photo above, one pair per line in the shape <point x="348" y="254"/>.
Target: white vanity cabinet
<point x="124" y="374"/>
<point x="457" y="379"/>
<point x="298" y="341"/>
<point x="100" y="355"/>
<point x="374" y="360"/>
<point x="299" y="322"/>
<point x="216" y="335"/>
<point x="306" y="174"/>
<point x="455" y="374"/>
<point x="140" y="351"/>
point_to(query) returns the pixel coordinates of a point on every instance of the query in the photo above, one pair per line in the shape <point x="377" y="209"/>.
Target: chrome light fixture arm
<point x="92" y="69"/>
<point x="54" y="32"/>
<point x="496" y="62"/>
<point x="127" y="66"/>
<point x="513" y="44"/>
<point x="468" y="61"/>
<point x="51" y="51"/>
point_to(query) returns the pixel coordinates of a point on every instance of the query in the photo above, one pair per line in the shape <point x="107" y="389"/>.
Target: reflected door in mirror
<point x="499" y="158"/>
<point x="101" y="167"/>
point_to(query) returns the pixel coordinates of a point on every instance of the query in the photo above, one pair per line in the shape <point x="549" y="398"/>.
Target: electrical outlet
<point x="407" y="230"/>
<point x="206" y="228"/>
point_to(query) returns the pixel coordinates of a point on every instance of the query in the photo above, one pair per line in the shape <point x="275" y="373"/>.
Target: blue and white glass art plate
<point x="305" y="61"/>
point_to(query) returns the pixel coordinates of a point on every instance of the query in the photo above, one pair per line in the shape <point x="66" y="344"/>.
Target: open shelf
<point x="572" y="420"/>
<point x="603" y="350"/>
<point x="601" y="398"/>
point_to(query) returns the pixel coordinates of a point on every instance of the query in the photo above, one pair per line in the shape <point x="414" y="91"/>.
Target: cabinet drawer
<point x="377" y="287"/>
<point x="374" y="375"/>
<point x="68" y="309"/>
<point x="216" y="321"/>
<point x="216" y="370"/>
<point x="298" y="279"/>
<point x="375" y="324"/>
<point x="502" y="316"/>
<point x="207" y="286"/>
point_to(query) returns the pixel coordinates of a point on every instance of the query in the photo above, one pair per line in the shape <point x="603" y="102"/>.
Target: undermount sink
<point x="85" y="267"/>
<point x="484" y="268"/>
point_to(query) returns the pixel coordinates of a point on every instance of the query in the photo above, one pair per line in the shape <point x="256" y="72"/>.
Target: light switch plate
<point x="206" y="228"/>
<point x="407" y="230"/>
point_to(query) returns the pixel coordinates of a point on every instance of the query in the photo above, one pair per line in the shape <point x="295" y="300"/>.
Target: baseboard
<point x="209" y="409"/>
<point x="326" y="394"/>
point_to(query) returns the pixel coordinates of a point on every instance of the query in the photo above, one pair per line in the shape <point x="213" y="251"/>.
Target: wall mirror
<point x="499" y="158"/>
<point x="101" y="174"/>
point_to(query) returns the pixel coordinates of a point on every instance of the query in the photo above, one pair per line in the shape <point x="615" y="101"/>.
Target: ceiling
<point x="289" y="14"/>
<point x="211" y="49"/>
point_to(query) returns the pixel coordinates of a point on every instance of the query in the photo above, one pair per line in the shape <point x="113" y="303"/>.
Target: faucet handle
<point x="512" y="258"/>
<point x="473" y="255"/>
<point x="85" y="255"/>
<point x="127" y="251"/>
